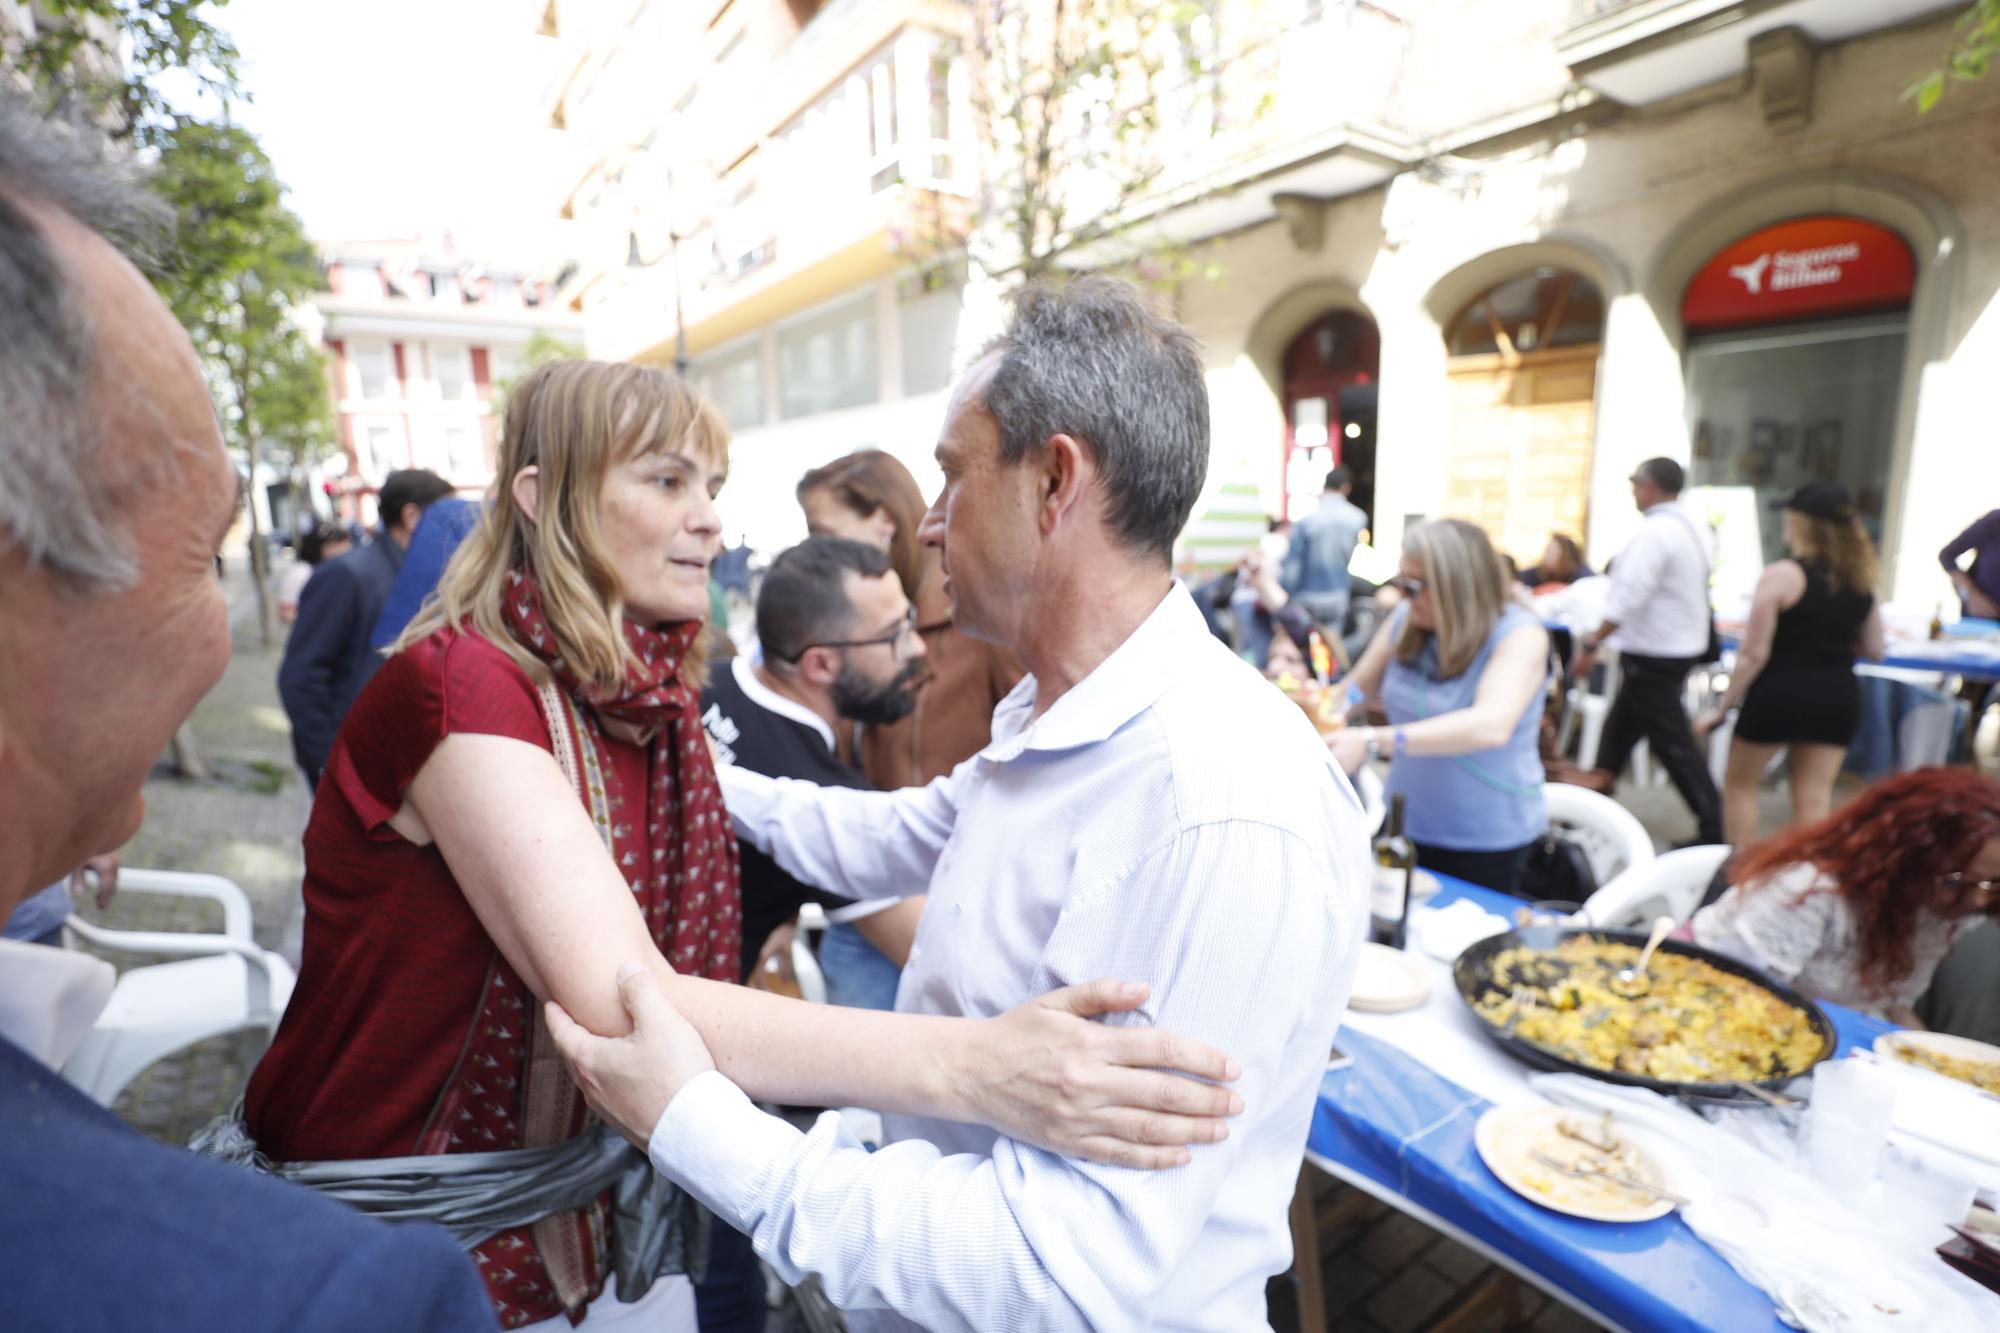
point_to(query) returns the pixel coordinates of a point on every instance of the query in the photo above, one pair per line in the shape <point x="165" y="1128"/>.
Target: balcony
<point x="1644" y="51"/>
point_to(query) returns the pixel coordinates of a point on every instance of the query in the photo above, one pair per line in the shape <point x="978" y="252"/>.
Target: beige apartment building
<point x="1488" y="255"/>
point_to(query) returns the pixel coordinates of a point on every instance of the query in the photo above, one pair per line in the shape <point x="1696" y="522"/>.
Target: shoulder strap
<point x="555" y="710"/>
<point x="1700" y="543"/>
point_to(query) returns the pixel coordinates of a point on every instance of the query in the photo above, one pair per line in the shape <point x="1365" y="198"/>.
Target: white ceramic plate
<point x="1423" y="885"/>
<point x="1508" y="1137"/>
<point x="1388" y="981"/>
<point x="1937" y="1043"/>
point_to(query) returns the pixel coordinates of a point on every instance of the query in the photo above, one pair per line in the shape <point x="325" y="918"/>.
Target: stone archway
<point x="1919" y="215"/>
<point x="1523" y="328"/>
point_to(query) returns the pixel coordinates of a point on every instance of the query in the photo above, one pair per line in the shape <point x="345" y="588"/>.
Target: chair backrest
<point x="1610" y="835"/>
<point x="1671" y="885"/>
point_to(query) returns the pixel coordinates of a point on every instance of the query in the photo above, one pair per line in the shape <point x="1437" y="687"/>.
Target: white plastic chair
<point x="1671" y="885"/>
<point x="1610" y="835"/>
<point x="222" y="984"/>
<point x="1589" y="709"/>
<point x="805" y="963"/>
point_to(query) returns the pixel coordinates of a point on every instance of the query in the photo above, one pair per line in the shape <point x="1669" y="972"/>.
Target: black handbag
<point x="1713" y="653"/>
<point x="1557" y="871"/>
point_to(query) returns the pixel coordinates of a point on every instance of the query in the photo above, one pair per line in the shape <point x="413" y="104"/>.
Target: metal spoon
<point x="1635" y="981"/>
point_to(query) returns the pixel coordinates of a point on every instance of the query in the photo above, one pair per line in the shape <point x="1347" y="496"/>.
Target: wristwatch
<point x="1374" y="742"/>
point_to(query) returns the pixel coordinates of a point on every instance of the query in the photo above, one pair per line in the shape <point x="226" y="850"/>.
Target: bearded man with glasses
<point x="840" y="648"/>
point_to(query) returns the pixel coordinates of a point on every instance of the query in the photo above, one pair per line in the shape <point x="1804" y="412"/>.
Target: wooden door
<point x="1519" y="457"/>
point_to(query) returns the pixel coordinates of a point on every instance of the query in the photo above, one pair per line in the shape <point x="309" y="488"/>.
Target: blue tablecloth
<point x="1409" y="1129"/>
<point x="1945" y="656"/>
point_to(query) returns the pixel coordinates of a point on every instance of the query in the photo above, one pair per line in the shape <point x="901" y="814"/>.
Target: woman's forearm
<point x="1463" y="731"/>
<point x="783" y="1050"/>
<point x="1749" y="665"/>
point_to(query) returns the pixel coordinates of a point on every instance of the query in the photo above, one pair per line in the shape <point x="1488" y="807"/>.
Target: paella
<point x="1689" y="1023"/>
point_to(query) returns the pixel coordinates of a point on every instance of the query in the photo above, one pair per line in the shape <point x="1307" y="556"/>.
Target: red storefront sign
<point x="1803" y="269"/>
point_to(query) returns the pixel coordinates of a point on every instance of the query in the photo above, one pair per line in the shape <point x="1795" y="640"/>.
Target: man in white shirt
<point x="1658" y="616"/>
<point x="1148" y="808"/>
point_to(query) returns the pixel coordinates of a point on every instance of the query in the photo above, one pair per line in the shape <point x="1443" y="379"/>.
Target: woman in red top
<point x="522" y="799"/>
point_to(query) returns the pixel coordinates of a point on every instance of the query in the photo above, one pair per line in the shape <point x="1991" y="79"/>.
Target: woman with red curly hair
<point x="1860" y="907"/>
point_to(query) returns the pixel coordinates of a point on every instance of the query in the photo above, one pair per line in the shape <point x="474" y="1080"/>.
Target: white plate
<point x="1508" y="1137"/>
<point x="1937" y="1043"/>
<point x="1423" y="885"/>
<point x="1388" y="981"/>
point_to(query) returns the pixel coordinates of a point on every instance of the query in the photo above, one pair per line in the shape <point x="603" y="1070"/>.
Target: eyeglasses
<point x="897" y="638"/>
<point x="1408" y="586"/>
<point x="1957" y="882"/>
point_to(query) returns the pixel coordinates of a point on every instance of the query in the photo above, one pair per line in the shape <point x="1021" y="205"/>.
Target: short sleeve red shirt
<point x="394" y="959"/>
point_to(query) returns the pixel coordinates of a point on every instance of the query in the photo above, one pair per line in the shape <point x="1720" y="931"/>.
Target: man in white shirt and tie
<point x="1148" y="809"/>
<point x="1659" y="613"/>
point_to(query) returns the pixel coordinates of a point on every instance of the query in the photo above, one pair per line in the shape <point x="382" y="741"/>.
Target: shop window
<point x="1538" y="311"/>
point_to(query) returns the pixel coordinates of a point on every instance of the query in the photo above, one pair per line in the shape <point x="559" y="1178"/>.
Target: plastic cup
<point x="1847" y="1128"/>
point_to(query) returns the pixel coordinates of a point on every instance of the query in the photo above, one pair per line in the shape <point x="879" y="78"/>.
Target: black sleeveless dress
<point x="1806" y="694"/>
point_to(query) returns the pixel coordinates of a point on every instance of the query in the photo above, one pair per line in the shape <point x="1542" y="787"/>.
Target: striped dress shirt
<point x="1171" y="819"/>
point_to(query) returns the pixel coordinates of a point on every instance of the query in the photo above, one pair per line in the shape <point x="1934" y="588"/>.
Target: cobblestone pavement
<point x="1382" y="1272"/>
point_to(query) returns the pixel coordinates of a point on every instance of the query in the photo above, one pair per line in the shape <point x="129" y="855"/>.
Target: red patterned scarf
<point x="698" y="922"/>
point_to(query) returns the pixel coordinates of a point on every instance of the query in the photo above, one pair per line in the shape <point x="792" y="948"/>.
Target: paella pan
<point x="1702" y="1024"/>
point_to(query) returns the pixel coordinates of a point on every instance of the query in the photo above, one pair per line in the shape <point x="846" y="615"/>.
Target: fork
<point x="1593" y="1173"/>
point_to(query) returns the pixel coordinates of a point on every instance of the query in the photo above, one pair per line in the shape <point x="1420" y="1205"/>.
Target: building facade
<point x="1715" y="232"/>
<point x="420" y="342"/>
<point x="1489" y="256"/>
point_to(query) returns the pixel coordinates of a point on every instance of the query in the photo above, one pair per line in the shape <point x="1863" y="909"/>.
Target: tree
<point x="541" y="348"/>
<point x="1084" y="112"/>
<point x="1975" y="42"/>
<point x="236" y="281"/>
<point x="104" y="59"/>
<point x="241" y="265"/>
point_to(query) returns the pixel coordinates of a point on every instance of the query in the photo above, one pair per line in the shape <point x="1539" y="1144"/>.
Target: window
<point x="444" y="286"/>
<point x="1770" y="408"/>
<point x="374" y="451"/>
<point x="930" y="336"/>
<point x="463" y="458"/>
<point x="371" y="370"/>
<point x="452" y="367"/>
<point x="360" y="279"/>
<point x="1547" y="308"/>
<point x="734" y="382"/>
<point x="828" y="360"/>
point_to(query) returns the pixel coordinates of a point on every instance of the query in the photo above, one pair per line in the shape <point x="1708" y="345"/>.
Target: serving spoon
<point x="1634" y="981"/>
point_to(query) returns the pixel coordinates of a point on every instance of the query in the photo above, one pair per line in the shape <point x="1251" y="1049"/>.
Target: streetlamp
<point x="634" y="261"/>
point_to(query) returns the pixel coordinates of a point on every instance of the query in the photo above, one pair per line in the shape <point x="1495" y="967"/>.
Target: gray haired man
<point x="115" y="492"/>
<point x="1148" y="807"/>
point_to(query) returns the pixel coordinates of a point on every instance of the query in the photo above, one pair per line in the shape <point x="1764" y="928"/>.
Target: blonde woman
<point x="1812" y="614"/>
<point x="1460" y="671"/>
<point x="520" y="801"/>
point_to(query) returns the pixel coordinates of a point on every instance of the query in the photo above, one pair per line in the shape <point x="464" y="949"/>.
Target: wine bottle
<point x="1389" y="892"/>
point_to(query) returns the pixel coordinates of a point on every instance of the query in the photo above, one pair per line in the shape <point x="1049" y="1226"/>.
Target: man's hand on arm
<point x="630" y="1080"/>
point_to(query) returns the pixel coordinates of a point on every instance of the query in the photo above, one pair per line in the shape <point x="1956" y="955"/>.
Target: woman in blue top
<point x="1461" y="671"/>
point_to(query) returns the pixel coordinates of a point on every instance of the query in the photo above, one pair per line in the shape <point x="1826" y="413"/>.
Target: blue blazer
<point x="328" y="658"/>
<point x="104" y="1231"/>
